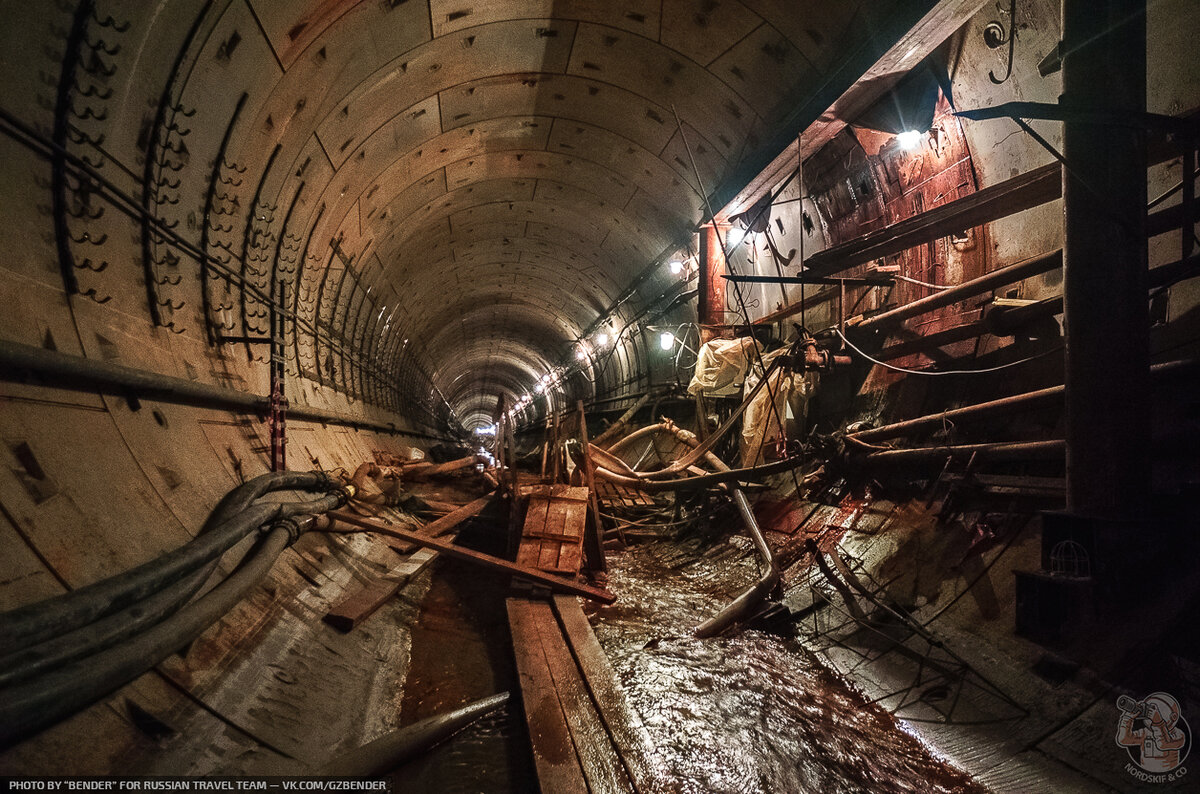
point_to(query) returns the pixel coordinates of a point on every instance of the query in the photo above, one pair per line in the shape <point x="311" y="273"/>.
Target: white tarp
<point x="721" y="366"/>
<point x="762" y="426"/>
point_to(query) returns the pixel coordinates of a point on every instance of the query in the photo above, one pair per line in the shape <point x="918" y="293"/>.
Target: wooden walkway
<point x="585" y="737"/>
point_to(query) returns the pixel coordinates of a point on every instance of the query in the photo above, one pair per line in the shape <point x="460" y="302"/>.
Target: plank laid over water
<point x="554" y="755"/>
<point x="572" y="743"/>
<point x="623" y="724"/>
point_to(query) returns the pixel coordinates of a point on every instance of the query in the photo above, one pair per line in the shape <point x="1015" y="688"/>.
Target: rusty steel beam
<point x="1030" y="189"/>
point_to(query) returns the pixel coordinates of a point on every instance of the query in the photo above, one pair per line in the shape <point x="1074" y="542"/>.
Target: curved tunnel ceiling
<point x="491" y="176"/>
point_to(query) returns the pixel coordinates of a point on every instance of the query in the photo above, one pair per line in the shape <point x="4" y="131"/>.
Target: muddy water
<point x="752" y="712"/>
<point x="462" y="652"/>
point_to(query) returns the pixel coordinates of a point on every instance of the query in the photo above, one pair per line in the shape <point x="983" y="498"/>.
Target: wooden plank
<point x="597" y="756"/>
<point x="555" y="583"/>
<point x="560" y="537"/>
<point x="358" y="605"/>
<point x="446" y="523"/>
<point x="554" y="756"/>
<point x="556" y="491"/>
<point x="550" y="541"/>
<point x="624" y="725"/>
<point x="529" y="550"/>
<point x="548" y="558"/>
<point x="595" y="538"/>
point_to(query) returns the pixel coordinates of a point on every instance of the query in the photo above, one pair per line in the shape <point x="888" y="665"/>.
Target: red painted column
<point x="711" y="309"/>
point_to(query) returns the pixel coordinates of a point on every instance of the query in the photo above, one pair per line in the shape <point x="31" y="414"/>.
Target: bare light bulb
<point x="675" y="266"/>
<point x="601" y="339"/>
<point x="909" y="139"/>
<point x="666" y="340"/>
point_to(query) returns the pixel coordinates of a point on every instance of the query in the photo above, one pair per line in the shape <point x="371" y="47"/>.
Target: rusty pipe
<point x="1003" y="450"/>
<point x="1027" y="401"/>
<point x="1034" y="266"/>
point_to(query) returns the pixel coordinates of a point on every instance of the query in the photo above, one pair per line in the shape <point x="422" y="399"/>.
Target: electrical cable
<point x="737" y="290"/>
<point x="920" y="283"/>
<point x="932" y="373"/>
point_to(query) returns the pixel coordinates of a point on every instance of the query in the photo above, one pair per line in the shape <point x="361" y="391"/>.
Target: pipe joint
<point x="290" y="525"/>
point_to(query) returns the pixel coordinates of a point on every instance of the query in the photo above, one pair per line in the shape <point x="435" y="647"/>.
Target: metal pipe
<point x="1004" y="405"/>
<point x="1004" y="450"/>
<point x="622" y="421"/>
<point x="711" y="307"/>
<point x="393" y="749"/>
<point x="1034" y="266"/>
<point x="75" y="372"/>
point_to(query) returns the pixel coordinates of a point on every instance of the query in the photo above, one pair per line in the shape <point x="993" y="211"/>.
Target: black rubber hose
<point x="100" y="634"/>
<point x="107" y="631"/>
<point x="43" y="701"/>
<point x="393" y="749"/>
<point x="33" y="623"/>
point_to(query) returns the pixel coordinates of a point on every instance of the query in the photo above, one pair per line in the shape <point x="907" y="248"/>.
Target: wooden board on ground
<point x="360" y="604"/>
<point x="581" y="739"/>
<point x="552" y="538"/>
<point x="624" y="726"/>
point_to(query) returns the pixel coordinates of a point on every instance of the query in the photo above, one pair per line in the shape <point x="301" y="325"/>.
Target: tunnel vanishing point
<point x="838" y="355"/>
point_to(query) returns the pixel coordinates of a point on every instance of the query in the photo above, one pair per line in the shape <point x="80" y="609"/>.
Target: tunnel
<point x="599" y="395"/>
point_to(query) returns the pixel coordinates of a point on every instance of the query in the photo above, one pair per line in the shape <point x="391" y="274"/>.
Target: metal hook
<point x="109" y="22"/>
<point x="91" y="293"/>
<point x="1012" y="38"/>
<point x="93" y="90"/>
<point x="87" y="238"/>
<point x="100" y="45"/>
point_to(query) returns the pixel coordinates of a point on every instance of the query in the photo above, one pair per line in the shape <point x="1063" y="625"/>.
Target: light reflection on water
<point x="751" y="712"/>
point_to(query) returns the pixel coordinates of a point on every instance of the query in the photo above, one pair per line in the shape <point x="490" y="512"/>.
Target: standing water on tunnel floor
<point x="748" y="712"/>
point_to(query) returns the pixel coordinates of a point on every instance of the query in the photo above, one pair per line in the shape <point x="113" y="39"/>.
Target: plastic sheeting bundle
<point x="721" y="366"/>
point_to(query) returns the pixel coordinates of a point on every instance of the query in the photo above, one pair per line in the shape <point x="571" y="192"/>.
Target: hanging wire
<point x="931" y="373"/>
<point x="737" y="289"/>
<point x="920" y="283"/>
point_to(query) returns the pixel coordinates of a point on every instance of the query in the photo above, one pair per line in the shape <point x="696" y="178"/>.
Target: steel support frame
<point x="1105" y="310"/>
